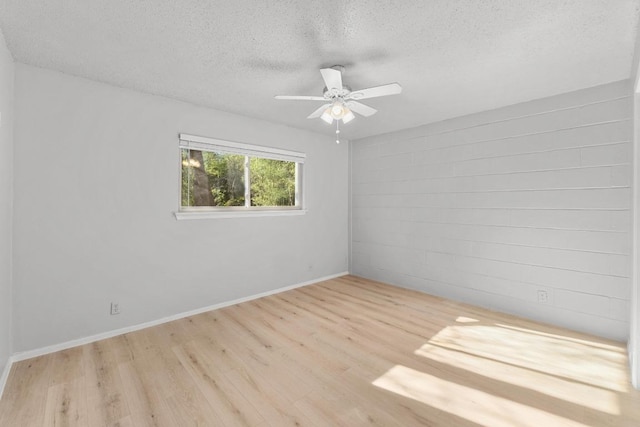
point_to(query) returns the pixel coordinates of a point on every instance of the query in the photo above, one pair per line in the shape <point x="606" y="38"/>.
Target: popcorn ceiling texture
<point x="452" y="57"/>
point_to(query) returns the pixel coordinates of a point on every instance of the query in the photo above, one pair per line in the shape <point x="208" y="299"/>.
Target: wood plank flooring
<point x="345" y="352"/>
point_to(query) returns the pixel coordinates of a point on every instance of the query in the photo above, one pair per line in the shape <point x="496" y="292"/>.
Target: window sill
<point x="181" y="215"/>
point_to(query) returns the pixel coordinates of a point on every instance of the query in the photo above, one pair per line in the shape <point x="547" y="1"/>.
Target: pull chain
<point x="337" y="131"/>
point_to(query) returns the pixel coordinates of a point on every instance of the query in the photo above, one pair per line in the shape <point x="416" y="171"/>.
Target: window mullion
<point x="189" y="177"/>
<point x="298" y="200"/>
<point x="247" y="182"/>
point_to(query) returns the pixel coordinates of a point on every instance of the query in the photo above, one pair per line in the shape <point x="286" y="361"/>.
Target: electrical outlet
<point x="115" y="308"/>
<point x="543" y="296"/>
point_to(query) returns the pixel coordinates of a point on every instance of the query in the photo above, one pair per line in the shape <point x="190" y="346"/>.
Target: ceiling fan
<point x="340" y="101"/>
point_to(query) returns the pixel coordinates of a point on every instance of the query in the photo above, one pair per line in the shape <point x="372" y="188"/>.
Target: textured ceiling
<point x="452" y="57"/>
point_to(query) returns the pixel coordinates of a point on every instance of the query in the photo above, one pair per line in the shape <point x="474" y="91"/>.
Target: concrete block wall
<point x="494" y="207"/>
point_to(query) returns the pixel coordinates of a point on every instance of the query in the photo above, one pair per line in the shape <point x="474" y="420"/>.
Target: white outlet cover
<point x="115" y="308"/>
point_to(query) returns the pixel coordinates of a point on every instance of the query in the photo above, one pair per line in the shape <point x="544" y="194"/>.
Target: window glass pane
<point x="212" y="179"/>
<point x="273" y="182"/>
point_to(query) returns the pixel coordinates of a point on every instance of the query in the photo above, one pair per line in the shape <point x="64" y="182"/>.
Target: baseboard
<point x="5" y="374"/>
<point x="81" y="341"/>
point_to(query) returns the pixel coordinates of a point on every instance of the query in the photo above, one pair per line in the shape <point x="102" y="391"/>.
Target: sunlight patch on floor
<point x="595" y="364"/>
<point x="527" y="382"/>
<point x="565" y="338"/>
<point x="474" y="405"/>
<point x="463" y="319"/>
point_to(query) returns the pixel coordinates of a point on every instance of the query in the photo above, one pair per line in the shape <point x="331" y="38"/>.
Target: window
<point x="223" y="178"/>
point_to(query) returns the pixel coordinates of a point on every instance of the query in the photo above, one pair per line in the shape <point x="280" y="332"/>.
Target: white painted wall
<point x="6" y="197"/>
<point x="634" y="338"/>
<point x="96" y="182"/>
<point x="492" y="207"/>
<point x="634" y="334"/>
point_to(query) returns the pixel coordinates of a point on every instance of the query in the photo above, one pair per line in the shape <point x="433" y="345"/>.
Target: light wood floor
<point x="345" y="352"/>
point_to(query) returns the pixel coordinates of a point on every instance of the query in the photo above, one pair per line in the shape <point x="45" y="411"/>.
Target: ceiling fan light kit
<point x="337" y="111"/>
<point x="341" y="100"/>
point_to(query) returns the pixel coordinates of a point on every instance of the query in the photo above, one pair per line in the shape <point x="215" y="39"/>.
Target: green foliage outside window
<point x="225" y="173"/>
<point x="273" y="182"/>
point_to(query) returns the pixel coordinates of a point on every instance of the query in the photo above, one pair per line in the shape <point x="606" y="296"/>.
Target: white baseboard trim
<point x="5" y="374"/>
<point x="81" y="341"/>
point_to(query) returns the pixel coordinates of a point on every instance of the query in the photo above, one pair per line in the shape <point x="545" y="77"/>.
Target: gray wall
<point x="492" y="207"/>
<point x="96" y="182"/>
<point x="6" y="199"/>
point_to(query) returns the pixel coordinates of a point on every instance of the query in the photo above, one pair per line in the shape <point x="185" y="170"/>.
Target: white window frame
<point x="221" y="146"/>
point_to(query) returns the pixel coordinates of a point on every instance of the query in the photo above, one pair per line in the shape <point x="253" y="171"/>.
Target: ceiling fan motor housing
<point x="336" y="93"/>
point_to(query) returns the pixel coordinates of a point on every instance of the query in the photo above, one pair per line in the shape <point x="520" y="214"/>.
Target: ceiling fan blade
<point x="318" y="112"/>
<point x="332" y="78"/>
<point x="373" y="92"/>
<point x="361" y="109"/>
<point x="301" y="97"/>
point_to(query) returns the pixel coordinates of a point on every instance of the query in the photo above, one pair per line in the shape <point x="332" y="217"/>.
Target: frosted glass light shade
<point x="326" y="116"/>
